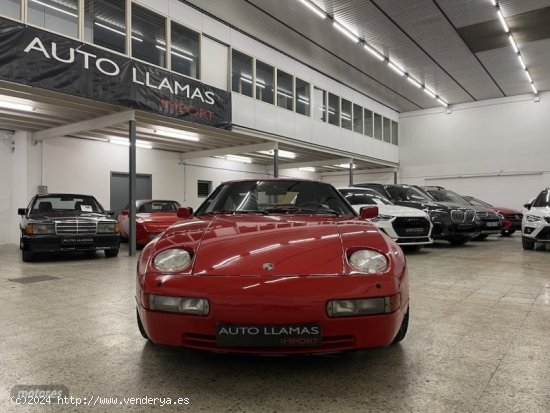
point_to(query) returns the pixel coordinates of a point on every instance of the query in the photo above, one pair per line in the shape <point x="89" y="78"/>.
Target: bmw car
<point x="273" y="266"/>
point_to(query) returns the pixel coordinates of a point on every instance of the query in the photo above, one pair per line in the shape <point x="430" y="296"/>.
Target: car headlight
<point x="501" y="215"/>
<point x="40" y="229"/>
<point x="368" y="261"/>
<point x="185" y="305"/>
<point x="532" y="218"/>
<point x="108" y="228"/>
<point x="363" y="306"/>
<point x="437" y="214"/>
<point x="381" y="218"/>
<point x="171" y="260"/>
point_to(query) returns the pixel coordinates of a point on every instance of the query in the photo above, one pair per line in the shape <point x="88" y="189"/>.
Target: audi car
<point x="273" y="266"/>
<point x="535" y="225"/>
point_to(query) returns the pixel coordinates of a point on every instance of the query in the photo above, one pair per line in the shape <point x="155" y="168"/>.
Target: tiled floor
<point x="479" y="341"/>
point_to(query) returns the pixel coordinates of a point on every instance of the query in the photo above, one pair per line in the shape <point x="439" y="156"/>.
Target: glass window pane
<point x="264" y="82"/>
<point x="105" y="23"/>
<point x="387" y="129"/>
<point x="241" y="73"/>
<point x="319" y="104"/>
<point x="60" y="16"/>
<point x="302" y="97"/>
<point x="367" y="117"/>
<point x="357" y="118"/>
<point x="394" y="132"/>
<point x="378" y="126"/>
<point x="285" y="90"/>
<point x="346" y="114"/>
<point x="333" y="109"/>
<point x="11" y="8"/>
<point x="185" y="50"/>
<point x="148" y="36"/>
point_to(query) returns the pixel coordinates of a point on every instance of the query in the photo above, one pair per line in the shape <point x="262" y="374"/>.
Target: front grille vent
<point x="461" y="216"/>
<point x="75" y="227"/>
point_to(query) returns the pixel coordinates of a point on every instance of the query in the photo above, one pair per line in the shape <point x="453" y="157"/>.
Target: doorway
<point x="120" y="193"/>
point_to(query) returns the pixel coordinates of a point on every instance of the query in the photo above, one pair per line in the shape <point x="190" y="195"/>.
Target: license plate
<point x="414" y="230"/>
<point x="492" y="224"/>
<point x="278" y="335"/>
<point x="76" y="241"/>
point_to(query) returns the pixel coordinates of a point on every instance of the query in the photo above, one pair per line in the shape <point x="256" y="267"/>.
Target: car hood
<point x="395" y="210"/>
<point x="249" y="245"/>
<point x="538" y="211"/>
<point x="506" y="211"/>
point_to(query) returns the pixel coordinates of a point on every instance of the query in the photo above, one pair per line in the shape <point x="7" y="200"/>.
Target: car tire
<point x="527" y="244"/>
<point x="459" y="241"/>
<point x="481" y="237"/>
<point x="140" y="327"/>
<point x="111" y="253"/>
<point x="403" y="329"/>
<point x="508" y="233"/>
<point x="26" y="256"/>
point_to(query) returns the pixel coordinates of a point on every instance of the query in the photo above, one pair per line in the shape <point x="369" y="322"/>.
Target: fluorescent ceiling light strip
<point x="513" y="43"/>
<point x="429" y="92"/>
<point x="345" y="165"/>
<point x="116" y="31"/>
<point x="414" y="82"/>
<point x="528" y="76"/>
<point x="305" y="102"/>
<point x="281" y="153"/>
<point x="286" y="95"/>
<point x="442" y="102"/>
<point x="522" y="62"/>
<point x="374" y="52"/>
<point x="16" y="106"/>
<point x="535" y="91"/>
<point x="54" y="8"/>
<point x="314" y="8"/>
<point x="307" y="169"/>
<point x="181" y="55"/>
<point x="344" y="30"/>
<point x="502" y="21"/>
<point x="396" y="68"/>
<point x="238" y="158"/>
<point x="187" y="136"/>
<point x="244" y="79"/>
<point x="139" y="144"/>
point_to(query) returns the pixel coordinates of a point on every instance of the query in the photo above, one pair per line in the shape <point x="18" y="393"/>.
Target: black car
<point x="491" y="223"/>
<point x="67" y="222"/>
<point x="451" y="222"/>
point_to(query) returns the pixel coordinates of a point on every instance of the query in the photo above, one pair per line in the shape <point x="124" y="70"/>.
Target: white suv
<point x="535" y="225"/>
<point x="407" y="226"/>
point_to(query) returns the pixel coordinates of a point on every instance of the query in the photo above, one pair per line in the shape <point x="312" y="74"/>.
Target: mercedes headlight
<point x="532" y="218"/>
<point x="381" y="218"/>
<point x="108" y="228"/>
<point x="171" y="260"/>
<point x="41" y="229"/>
<point x="368" y="261"/>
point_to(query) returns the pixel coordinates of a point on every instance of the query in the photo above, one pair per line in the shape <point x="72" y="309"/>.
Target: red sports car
<point x="273" y="266"/>
<point x="511" y="218"/>
<point x="152" y="218"/>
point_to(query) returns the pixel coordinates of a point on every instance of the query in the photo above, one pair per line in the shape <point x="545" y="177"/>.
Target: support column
<point x="132" y="188"/>
<point x="275" y="163"/>
<point x="351" y="172"/>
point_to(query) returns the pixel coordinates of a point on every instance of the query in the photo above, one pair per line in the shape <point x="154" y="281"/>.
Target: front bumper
<point x="447" y="230"/>
<point x="491" y="226"/>
<point x="539" y="233"/>
<point x="509" y="225"/>
<point x="407" y="230"/>
<point x="68" y="243"/>
<point x="257" y="302"/>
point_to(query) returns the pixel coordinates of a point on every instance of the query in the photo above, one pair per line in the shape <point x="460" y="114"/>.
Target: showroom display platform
<point x="479" y="341"/>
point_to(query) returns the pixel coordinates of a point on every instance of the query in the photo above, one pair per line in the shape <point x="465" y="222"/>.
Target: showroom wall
<point x="496" y="150"/>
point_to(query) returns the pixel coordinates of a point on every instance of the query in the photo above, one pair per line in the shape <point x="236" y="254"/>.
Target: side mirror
<point x="110" y="212"/>
<point x="367" y="212"/>
<point x="124" y="212"/>
<point x="528" y="206"/>
<point x="22" y="211"/>
<point x="184" y="212"/>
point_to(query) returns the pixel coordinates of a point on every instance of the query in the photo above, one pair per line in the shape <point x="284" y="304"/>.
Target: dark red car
<point x="152" y="218"/>
<point x="511" y="218"/>
<point x="273" y="267"/>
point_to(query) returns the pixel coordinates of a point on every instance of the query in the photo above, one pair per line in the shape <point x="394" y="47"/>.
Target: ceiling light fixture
<point x="522" y="62"/>
<point x="16" y="106"/>
<point x="281" y="153"/>
<point x="528" y="76"/>
<point x="396" y="68"/>
<point x="429" y="92"/>
<point x="235" y="158"/>
<point x="535" y="91"/>
<point x="502" y="20"/>
<point x="513" y="43"/>
<point x="345" y="165"/>
<point x="187" y="136"/>
<point x="442" y="102"/>
<point x="307" y="169"/>
<point x="55" y="8"/>
<point x="374" y="52"/>
<point x="125" y="142"/>
<point x="414" y="81"/>
<point x="314" y="8"/>
<point x="346" y="31"/>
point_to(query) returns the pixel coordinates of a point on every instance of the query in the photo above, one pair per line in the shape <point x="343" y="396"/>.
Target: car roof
<point x="275" y="180"/>
<point x="63" y="194"/>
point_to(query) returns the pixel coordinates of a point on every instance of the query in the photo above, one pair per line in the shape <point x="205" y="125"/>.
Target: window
<point x="319" y="104"/>
<point x="105" y="23"/>
<point x="387" y="129"/>
<point x="55" y="15"/>
<point x="302" y="97"/>
<point x="357" y="118"/>
<point x="148" y="36"/>
<point x="264" y="82"/>
<point x="378" y="126"/>
<point x="368" y="119"/>
<point x="204" y="188"/>
<point x="333" y="109"/>
<point x="346" y="114"/>
<point x="185" y="50"/>
<point x="394" y="133"/>
<point x="11" y="8"/>
<point x="285" y="90"/>
<point x="241" y="73"/>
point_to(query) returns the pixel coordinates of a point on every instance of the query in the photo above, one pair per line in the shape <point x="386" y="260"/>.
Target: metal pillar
<point x="351" y="172"/>
<point x="275" y="163"/>
<point x="395" y="177"/>
<point x="132" y="188"/>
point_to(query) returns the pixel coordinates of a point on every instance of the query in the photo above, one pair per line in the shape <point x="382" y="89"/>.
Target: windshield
<point x="65" y="205"/>
<point x="158" y="206"/>
<point x="477" y="202"/>
<point x="277" y="197"/>
<point x="543" y="200"/>
<point x="401" y="193"/>
<point x="364" y="197"/>
<point x="445" y="195"/>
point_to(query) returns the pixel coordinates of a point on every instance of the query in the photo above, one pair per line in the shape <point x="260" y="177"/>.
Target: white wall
<point x="467" y="149"/>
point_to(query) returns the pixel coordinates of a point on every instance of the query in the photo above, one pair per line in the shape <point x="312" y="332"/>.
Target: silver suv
<point x="535" y="225"/>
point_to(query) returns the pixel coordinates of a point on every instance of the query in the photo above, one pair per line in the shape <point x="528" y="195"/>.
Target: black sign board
<point x="45" y="60"/>
<point x="279" y="335"/>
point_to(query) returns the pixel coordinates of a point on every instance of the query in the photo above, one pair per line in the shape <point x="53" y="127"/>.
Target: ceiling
<point x="458" y="49"/>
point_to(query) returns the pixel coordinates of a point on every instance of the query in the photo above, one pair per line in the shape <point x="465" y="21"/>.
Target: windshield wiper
<point x="294" y="209"/>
